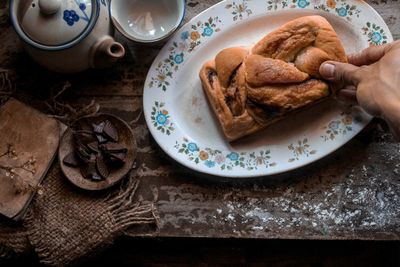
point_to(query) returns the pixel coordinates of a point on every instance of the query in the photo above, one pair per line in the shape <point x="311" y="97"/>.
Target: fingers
<point x="348" y="95"/>
<point x="340" y="73"/>
<point x="369" y="55"/>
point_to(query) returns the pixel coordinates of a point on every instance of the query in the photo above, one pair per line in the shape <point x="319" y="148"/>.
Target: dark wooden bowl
<point x="125" y="137"/>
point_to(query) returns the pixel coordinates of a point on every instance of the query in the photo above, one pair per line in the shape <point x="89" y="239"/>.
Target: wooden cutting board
<point x="28" y="145"/>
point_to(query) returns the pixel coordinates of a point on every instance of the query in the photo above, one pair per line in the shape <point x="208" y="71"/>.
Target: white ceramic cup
<point x="147" y="21"/>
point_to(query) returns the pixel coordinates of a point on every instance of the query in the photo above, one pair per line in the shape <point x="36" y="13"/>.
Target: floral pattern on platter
<point x="342" y="125"/>
<point x="300" y="3"/>
<point x="376" y="35"/>
<point x="300" y="149"/>
<point x="161" y="119"/>
<point x="341" y="7"/>
<point x="213" y="158"/>
<point x="276" y="4"/>
<point x="187" y="43"/>
<point x="161" y="80"/>
<point x="348" y="11"/>
<point x="238" y="10"/>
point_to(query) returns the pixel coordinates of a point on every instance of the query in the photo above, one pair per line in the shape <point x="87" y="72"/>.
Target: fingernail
<point x="328" y="70"/>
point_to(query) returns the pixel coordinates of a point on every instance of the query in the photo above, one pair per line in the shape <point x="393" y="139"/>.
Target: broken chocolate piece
<point x="117" y="159"/>
<point x="83" y="153"/>
<point x="94" y="147"/>
<point x="110" y="131"/>
<point x="96" y="177"/>
<point x="88" y="170"/>
<point x="113" y="148"/>
<point x="98" y="128"/>
<point x="72" y="160"/>
<point x="120" y="156"/>
<point x="83" y="137"/>
<point x="102" y="167"/>
<point x="101" y="139"/>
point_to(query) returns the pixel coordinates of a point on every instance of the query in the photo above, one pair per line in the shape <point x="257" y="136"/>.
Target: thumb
<point x="340" y="73"/>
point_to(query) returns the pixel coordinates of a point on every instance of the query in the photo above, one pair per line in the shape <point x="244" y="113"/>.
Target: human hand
<point x="371" y="79"/>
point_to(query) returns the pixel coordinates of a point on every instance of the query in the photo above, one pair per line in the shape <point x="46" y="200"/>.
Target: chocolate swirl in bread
<point x="252" y="88"/>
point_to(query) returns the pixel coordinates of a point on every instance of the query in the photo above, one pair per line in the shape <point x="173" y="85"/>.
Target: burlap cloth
<point x="64" y="224"/>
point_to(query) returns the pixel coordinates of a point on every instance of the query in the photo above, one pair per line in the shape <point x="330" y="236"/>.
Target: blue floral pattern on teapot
<point x="71" y="16"/>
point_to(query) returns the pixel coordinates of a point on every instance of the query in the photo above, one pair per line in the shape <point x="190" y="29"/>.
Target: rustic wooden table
<point x="352" y="194"/>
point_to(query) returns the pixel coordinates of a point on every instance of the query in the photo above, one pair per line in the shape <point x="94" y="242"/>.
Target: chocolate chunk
<point x="72" y="160"/>
<point x="120" y="156"/>
<point x="101" y="139"/>
<point x="83" y="153"/>
<point x="102" y="167"/>
<point x="83" y="137"/>
<point x="96" y="177"/>
<point x="93" y="147"/>
<point x="88" y="170"/>
<point x="117" y="159"/>
<point x="98" y="128"/>
<point x="110" y="131"/>
<point x="114" y="148"/>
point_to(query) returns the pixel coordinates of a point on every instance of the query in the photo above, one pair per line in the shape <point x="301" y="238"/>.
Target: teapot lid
<point x="54" y="24"/>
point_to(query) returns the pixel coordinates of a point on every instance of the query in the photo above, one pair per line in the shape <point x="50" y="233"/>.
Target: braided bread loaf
<point x="250" y="89"/>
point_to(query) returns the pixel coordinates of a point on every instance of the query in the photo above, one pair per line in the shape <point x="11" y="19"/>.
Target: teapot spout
<point x="106" y="52"/>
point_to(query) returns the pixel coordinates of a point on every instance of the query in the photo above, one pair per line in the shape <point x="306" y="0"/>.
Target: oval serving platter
<point x="182" y="122"/>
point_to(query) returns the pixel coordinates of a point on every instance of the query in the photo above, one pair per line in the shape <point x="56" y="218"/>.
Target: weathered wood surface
<point x="352" y="194"/>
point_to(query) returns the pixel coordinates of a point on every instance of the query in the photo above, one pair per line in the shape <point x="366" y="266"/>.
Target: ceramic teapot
<point x="66" y="35"/>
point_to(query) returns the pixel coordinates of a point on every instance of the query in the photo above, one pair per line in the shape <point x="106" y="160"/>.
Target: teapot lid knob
<point x="49" y="7"/>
